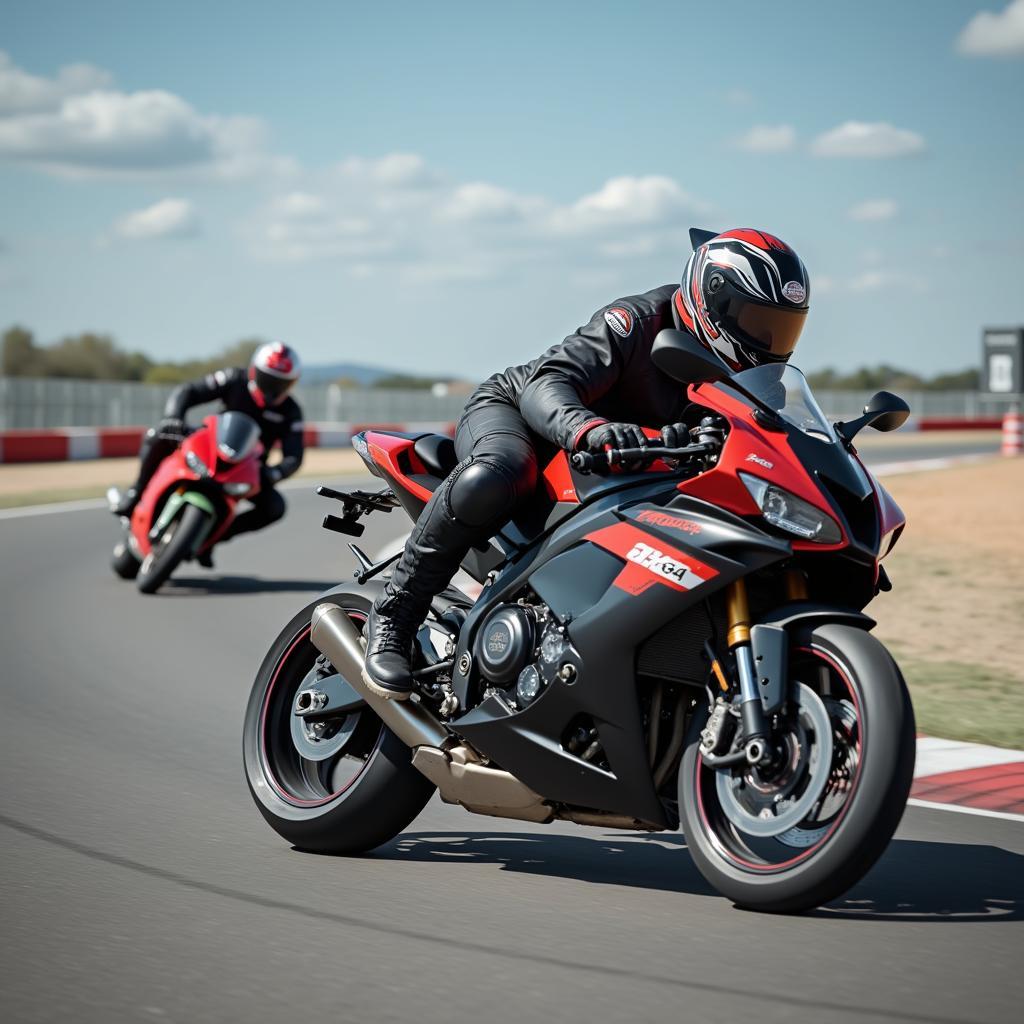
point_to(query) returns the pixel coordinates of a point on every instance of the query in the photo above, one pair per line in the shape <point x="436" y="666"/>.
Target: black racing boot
<point x="126" y="505"/>
<point x="432" y="554"/>
<point x="205" y="558"/>
<point x="390" y="633"/>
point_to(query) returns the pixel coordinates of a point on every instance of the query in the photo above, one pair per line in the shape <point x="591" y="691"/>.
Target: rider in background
<point x="262" y="392"/>
<point x="744" y="296"/>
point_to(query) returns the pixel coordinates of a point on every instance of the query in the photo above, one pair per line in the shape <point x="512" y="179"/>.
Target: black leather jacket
<point x="278" y="424"/>
<point x="601" y="373"/>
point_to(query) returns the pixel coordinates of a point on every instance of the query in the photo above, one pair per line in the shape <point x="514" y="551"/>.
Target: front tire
<point x="819" y="860"/>
<point x="347" y="800"/>
<point x="178" y="542"/>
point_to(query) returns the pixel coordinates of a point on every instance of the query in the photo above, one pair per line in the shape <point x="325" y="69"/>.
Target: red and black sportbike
<point x="680" y="646"/>
<point x="190" y="502"/>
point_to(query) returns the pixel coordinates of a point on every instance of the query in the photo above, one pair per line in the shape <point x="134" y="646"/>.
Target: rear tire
<point x="371" y="808"/>
<point x="168" y="551"/>
<point x="124" y="563"/>
<point x="829" y="866"/>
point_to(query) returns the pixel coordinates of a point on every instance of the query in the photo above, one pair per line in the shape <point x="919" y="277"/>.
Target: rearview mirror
<point x="887" y="411"/>
<point x="683" y="358"/>
<point x="884" y="411"/>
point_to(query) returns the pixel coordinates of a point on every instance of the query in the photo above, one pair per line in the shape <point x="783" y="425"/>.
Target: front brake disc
<point x="752" y="806"/>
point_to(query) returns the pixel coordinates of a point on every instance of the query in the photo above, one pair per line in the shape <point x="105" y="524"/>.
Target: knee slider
<point x="481" y="493"/>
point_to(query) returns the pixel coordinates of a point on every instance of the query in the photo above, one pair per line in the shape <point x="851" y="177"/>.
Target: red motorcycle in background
<point x="191" y="500"/>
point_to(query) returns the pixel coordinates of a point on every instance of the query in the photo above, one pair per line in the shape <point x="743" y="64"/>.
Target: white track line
<point x="84" y="504"/>
<point x="926" y="465"/>
<point x="25" y="511"/>
<point x="957" y="809"/>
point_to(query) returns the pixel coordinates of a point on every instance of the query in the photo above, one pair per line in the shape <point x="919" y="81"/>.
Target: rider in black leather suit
<point x="590" y="392"/>
<point x="262" y="393"/>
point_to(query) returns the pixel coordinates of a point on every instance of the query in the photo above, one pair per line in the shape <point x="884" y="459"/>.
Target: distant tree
<point x="237" y="354"/>
<point x="91" y="356"/>
<point x="401" y="380"/>
<point x="965" y="380"/>
<point x="873" y="378"/>
<point x="21" y="357"/>
<point x="347" y="383"/>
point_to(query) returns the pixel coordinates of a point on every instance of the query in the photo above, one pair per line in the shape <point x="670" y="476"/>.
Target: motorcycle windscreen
<point x="237" y="436"/>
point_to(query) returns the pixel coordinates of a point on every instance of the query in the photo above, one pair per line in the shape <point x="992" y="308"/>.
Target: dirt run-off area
<point x="955" y="616"/>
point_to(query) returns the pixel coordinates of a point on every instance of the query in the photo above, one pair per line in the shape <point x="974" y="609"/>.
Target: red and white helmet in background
<point x="273" y="371"/>
<point x="745" y="295"/>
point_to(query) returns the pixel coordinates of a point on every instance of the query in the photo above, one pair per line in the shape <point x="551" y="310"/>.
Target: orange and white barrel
<point x="1013" y="433"/>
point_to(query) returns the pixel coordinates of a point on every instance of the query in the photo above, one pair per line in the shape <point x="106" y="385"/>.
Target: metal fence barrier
<point x="52" y="402"/>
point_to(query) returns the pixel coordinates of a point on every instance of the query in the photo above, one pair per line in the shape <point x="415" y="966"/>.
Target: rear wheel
<point x="123" y="562"/>
<point x="343" y="785"/>
<point x="801" y="834"/>
<point x="178" y="542"/>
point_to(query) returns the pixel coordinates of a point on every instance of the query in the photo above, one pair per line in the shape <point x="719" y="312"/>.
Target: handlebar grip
<point x="582" y="462"/>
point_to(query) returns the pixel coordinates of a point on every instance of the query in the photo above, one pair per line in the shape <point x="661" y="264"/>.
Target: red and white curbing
<point x="969" y="777"/>
<point x="71" y="443"/>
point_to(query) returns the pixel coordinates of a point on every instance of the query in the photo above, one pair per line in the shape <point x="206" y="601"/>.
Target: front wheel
<point x="179" y="541"/>
<point x="803" y="833"/>
<point x="344" y="784"/>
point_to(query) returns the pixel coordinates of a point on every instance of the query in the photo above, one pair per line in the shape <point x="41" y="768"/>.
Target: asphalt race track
<point x="138" y="882"/>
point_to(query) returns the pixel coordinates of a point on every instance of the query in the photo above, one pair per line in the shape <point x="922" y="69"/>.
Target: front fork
<point x="756" y="729"/>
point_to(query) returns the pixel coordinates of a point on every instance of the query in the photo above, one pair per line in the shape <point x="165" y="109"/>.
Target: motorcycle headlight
<point x="236" y="490"/>
<point x="790" y="513"/>
<point x="196" y="464"/>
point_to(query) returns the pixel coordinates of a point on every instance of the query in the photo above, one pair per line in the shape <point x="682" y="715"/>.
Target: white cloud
<point x="76" y="125"/>
<point x="480" y="201"/>
<point x="298" y="205"/>
<point x="874" y="210"/>
<point x="766" y="138"/>
<point x="22" y="93"/>
<point x="876" y="140"/>
<point x="169" y="218"/>
<point x="396" y="170"/>
<point x="625" y="202"/>
<point x="398" y="215"/>
<point x="992" y="34"/>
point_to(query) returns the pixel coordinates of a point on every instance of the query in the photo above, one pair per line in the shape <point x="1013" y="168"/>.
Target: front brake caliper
<point x="712" y="735"/>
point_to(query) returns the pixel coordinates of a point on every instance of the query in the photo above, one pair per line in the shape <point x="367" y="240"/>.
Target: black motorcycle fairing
<point x="612" y="615"/>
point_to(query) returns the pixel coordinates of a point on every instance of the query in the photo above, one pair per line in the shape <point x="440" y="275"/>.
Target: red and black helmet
<point x="745" y="295"/>
<point x="273" y="371"/>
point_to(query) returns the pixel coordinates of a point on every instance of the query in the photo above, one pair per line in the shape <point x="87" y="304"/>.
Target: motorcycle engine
<point x="520" y="649"/>
<point x="505" y="643"/>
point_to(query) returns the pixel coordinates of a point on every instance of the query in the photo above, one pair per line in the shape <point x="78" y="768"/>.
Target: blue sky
<point x="454" y="187"/>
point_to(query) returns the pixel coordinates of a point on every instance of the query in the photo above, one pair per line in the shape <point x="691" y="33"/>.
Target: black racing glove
<point x="675" y="435"/>
<point x="616" y="435"/>
<point x="172" y="429"/>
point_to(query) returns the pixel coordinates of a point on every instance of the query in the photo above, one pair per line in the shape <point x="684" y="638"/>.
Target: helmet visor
<point x="776" y="330"/>
<point x="772" y="330"/>
<point x="273" y="387"/>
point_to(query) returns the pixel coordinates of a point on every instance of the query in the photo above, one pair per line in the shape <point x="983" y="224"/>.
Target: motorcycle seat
<point x="437" y="453"/>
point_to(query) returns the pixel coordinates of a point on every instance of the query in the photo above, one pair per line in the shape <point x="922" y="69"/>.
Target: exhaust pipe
<point x="453" y="767"/>
<point x="336" y="635"/>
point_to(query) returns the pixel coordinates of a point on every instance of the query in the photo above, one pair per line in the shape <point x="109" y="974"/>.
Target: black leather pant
<point x="496" y="473"/>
